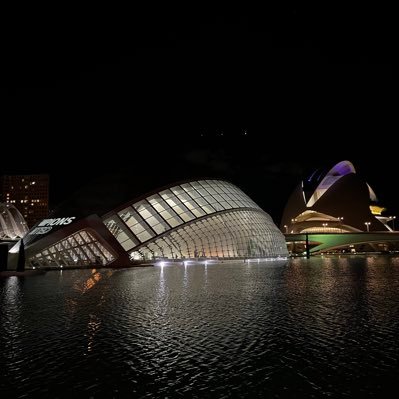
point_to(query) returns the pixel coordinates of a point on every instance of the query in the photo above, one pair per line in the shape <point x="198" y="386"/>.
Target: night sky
<point x="297" y="88"/>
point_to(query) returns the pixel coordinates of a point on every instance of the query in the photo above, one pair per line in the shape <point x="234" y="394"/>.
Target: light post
<point x="286" y="229"/>
<point x="393" y="222"/>
<point x="293" y="221"/>
<point x="340" y="219"/>
<point x="367" y="225"/>
<point x="325" y="225"/>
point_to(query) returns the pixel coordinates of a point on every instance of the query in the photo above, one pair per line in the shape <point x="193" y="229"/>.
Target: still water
<point x="299" y="328"/>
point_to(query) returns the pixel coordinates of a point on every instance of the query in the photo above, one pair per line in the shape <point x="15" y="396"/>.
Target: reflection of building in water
<point x="93" y="326"/>
<point x="202" y="218"/>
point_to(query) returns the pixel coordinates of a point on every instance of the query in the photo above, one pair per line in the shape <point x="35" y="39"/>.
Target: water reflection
<point x="304" y="328"/>
<point x="161" y="285"/>
<point x="92" y="328"/>
<point x="11" y="331"/>
<point x="74" y="305"/>
<point x="10" y="300"/>
<point x="89" y="283"/>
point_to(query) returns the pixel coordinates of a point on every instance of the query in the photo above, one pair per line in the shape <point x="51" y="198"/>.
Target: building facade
<point x="12" y="223"/>
<point x="334" y="200"/>
<point x="336" y="211"/>
<point x="28" y="193"/>
<point x="207" y="219"/>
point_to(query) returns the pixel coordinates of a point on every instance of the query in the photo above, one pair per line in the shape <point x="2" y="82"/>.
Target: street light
<point x="340" y="219"/>
<point x="293" y="221"/>
<point x="325" y="225"/>
<point x="286" y="229"/>
<point x="367" y="225"/>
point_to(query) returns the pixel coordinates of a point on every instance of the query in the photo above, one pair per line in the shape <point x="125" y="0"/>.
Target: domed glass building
<point x="192" y="219"/>
<point x="12" y="223"/>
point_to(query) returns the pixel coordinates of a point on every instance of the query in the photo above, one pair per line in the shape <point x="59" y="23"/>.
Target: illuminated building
<point x="12" y="223"/>
<point x="192" y="219"/>
<point x="28" y="193"/>
<point x="334" y="200"/>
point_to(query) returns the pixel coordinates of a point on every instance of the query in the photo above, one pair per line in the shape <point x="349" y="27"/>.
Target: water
<point x="302" y="328"/>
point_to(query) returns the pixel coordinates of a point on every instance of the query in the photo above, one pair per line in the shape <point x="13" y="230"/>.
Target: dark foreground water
<point x="301" y="328"/>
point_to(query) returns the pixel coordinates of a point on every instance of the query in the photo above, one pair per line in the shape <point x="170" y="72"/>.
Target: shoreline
<point x="14" y="273"/>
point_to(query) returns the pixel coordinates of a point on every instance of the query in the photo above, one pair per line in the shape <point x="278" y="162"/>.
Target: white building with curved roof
<point x="334" y="200"/>
<point x="192" y="219"/>
<point x="12" y="223"/>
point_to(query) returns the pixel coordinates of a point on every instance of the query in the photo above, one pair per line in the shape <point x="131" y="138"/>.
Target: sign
<point x="47" y="225"/>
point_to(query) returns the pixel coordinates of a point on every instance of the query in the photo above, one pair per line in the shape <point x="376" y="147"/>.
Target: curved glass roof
<point x="179" y="205"/>
<point x="204" y="218"/>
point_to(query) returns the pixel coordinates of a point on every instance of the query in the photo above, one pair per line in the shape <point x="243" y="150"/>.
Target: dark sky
<point x="129" y="88"/>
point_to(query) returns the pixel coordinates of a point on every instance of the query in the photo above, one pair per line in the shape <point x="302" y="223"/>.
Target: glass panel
<point x="75" y="250"/>
<point x="178" y="191"/>
<point x="129" y="216"/>
<point x="198" y="212"/>
<point x="158" y="203"/>
<point x="208" y="187"/>
<point x="138" y="228"/>
<point x="145" y="235"/>
<point x="193" y="194"/>
<point x="168" y="214"/>
<point x="179" y="209"/>
<point x="85" y="237"/>
<point x="175" y="221"/>
<point x="184" y="197"/>
<point x="218" y="207"/>
<point x="173" y="201"/>
<point x="144" y="209"/>
<point x="187" y="216"/>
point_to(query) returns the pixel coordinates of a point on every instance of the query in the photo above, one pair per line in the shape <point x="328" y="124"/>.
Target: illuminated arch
<point x="12" y="223"/>
<point x="341" y="169"/>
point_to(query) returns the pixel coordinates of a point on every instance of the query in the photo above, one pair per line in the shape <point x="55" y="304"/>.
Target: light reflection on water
<point x="318" y="327"/>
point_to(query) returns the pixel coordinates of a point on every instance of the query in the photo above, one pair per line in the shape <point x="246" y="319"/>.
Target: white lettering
<point x="57" y="221"/>
<point x="62" y="221"/>
<point x="54" y="222"/>
<point x="40" y="230"/>
<point x="44" y="222"/>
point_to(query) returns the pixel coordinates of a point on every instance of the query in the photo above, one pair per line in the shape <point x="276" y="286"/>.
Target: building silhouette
<point x="28" y="193"/>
